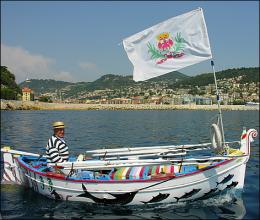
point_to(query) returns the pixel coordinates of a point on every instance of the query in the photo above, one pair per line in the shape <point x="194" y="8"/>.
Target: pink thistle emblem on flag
<point x="168" y="47"/>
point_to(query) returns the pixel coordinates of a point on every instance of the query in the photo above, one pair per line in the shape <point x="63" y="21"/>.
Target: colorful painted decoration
<point x="167" y="47"/>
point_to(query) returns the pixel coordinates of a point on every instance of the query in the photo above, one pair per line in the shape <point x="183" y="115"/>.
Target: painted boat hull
<point x="174" y="189"/>
<point x="199" y="184"/>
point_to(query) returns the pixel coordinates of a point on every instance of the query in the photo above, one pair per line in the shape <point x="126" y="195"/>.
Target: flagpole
<point x="218" y="101"/>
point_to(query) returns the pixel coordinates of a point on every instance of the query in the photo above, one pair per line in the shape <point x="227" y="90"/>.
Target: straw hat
<point x="58" y="124"/>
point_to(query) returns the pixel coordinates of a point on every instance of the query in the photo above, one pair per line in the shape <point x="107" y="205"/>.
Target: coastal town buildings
<point x="232" y="92"/>
<point x="27" y="94"/>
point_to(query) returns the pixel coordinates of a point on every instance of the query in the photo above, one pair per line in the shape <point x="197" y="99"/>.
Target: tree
<point x="238" y="102"/>
<point x="45" y="99"/>
<point x="9" y="88"/>
<point x="9" y="94"/>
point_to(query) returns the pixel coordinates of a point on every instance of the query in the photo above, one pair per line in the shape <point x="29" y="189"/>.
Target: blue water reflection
<point x="86" y="130"/>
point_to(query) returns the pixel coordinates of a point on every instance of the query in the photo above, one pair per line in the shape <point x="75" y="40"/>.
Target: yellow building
<point x="27" y="94"/>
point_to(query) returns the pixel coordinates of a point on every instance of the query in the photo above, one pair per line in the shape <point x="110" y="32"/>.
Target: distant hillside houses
<point x="156" y="100"/>
<point x="230" y="93"/>
<point x="236" y="86"/>
<point x="204" y="95"/>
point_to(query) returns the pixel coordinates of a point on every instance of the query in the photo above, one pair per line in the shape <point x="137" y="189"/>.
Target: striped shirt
<point x="57" y="150"/>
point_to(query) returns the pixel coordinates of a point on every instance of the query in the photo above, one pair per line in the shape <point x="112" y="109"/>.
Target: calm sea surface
<point x="30" y="130"/>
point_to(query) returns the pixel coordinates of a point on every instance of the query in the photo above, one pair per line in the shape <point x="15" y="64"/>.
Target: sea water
<point x="87" y="130"/>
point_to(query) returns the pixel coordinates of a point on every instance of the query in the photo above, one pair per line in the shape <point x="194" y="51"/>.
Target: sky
<point x="79" y="41"/>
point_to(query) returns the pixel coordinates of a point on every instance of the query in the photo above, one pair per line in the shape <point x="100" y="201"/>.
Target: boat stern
<point x="10" y="171"/>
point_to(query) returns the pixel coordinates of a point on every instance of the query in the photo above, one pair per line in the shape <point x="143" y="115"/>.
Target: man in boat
<point x="57" y="149"/>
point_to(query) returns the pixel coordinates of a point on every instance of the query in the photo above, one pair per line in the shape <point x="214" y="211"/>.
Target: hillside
<point x="247" y="75"/>
<point x="9" y="88"/>
<point x="40" y="86"/>
<point x="108" y="81"/>
<point x="113" y="86"/>
<point x="170" y="77"/>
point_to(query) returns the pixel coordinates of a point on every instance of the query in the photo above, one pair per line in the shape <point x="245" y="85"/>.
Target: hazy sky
<point x="81" y="41"/>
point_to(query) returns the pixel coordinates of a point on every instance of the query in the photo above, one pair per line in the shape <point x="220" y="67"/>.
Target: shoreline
<point x="35" y="105"/>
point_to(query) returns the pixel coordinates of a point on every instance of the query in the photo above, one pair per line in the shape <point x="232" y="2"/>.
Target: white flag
<point x="171" y="45"/>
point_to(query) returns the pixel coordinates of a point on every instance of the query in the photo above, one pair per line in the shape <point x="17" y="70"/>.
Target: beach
<point x="35" y="105"/>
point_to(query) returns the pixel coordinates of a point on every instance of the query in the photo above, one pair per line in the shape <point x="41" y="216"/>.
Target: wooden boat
<point x="143" y="175"/>
<point x="133" y="181"/>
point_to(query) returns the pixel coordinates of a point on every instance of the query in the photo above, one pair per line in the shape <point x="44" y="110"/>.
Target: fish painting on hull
<point x="232" y="185"/>
<point x="188" y="195"/>
<point x="160" y="197"/>
<point x="226" y="179"/>
<point x="208" y="194"/>
<point x="56" y="195"/>
<point x="122" y="199"/>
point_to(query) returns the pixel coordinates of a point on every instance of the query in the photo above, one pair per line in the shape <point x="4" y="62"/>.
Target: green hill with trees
<point x="9" y="89"/>
<point x="44" y="85"/>
<point x="248" y="75"/>
<point x="109" y="81"/>
<point x="122" y="84"/>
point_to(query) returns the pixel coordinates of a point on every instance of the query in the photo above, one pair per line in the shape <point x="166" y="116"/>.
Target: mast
<point x="218" y="101"/>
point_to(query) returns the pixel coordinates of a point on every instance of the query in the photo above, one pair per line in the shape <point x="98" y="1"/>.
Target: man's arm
<point x="64" y="151"/>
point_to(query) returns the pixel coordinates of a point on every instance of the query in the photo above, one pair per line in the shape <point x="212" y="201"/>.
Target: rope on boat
<point x="72" y="171"/>
<point x="104" y="155"/>
<point x="181" y="162"/>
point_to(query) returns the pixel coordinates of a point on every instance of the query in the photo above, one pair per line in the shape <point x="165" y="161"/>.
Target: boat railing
<point x="142" y="152"/>
<point x="153" y="148"/>
<point x="95" y="164"/>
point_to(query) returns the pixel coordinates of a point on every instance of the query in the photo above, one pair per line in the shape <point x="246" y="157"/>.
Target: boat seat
<point x="185" y="169"/>
<point x="188" y="169"/>
<point x="90" y="175"/>
<point x="235" y="152"/>
<point x="141" y="172"/>
<point x="85" y="175"/>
